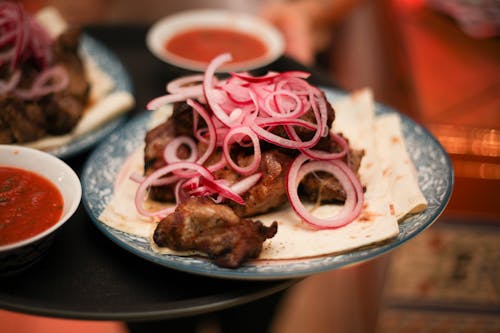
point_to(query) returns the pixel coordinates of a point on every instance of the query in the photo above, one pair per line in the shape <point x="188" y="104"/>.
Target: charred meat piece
<point x="55" y="113"/>
<point x="270" y="191"/>
<point x="25" y="121"/>
<point x="182" y="115"/>
<point x="66" y="54"/>
<point x="180" y="123"/>
<point x="155" y="143"/>
<point x="62" y="112"/>
<point x="6" y="135"/>
<point x="64" y="109"/>
<point x="201" y="225"/>
<point x="156" y="140"/>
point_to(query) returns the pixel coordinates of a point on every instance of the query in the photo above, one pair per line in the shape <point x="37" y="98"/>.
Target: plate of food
<point x="265" y="177"/>
<point x="61" y="90"/>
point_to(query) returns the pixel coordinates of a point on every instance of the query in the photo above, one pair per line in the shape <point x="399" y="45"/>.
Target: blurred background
<point x="436" y="61"/>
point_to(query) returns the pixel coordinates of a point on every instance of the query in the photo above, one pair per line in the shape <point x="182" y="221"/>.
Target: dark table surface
<point x="86" y="276"/>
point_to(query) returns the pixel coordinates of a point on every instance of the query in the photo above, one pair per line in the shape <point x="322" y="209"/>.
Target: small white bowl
<point x="168" y="27"/>
<point x="22" y="254"/>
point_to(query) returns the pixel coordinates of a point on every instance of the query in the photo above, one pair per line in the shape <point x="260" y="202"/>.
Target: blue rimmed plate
<point x="435" y="176"/>
<point x="110" y="64"/>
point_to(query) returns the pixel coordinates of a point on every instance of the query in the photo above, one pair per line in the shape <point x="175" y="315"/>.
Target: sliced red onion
<point x="7" y="37"/>
<point x="51" y="80"/>
<point x="180" y="194"/>
<point x="281" y="109"/>
<point x="211" y="95"/>
<point x="245" y="109"/>
<point x="211" y="129"/>
<point x="141" y="194"/>
<point x="265" y="122"/>
<point x="179" y="90"/>
<point x="242" y="186"/>
<point x="326" y="156"/>
<point x="6" y="56"/>
<point x="255" y="79"/>
<point x="11" y="83"/>
<point x="218" y="165"/>
<point x="354" y="191"/>
<point x="170" y="151"/>
<point x="237" y="92"/>
<point x="168" y="99"/>
<point x="185" y="83"/>
<point x="232" y="137"/>
<point x="23" y="40"/>
<point x="218" y="187"/>
<point x="284" y="142"/>
<point x="135" y="177"/>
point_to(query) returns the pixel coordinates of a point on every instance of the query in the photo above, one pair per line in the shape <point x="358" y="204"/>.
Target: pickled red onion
<point x="149" y="181"/>
<point x="218" y="187"/>
<point x="354" y="192"/>
<point x="210" y="92"/>
<point x="226" y="148"/>
<point x="170" y="152"/>
<point x="245" y="184"/>
<point x="211" y="129"/>
<point x="246" y="109"/>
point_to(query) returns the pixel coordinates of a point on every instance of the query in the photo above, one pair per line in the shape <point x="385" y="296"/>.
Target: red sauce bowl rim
<point x="167" y="27"/>
<point x="53" y="169"/>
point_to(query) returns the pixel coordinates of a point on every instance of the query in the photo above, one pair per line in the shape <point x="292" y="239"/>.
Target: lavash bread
<point x="397" y="167"/>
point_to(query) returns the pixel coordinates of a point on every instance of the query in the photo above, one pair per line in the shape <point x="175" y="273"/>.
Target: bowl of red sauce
<point x="38" y="194"/>
<point x="190" y="39"/>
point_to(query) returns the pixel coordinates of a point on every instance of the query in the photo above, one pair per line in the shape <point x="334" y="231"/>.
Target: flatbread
<point x="397" y="168"/>
<point x="378" y="222"/>
<point x="104" y="103"/>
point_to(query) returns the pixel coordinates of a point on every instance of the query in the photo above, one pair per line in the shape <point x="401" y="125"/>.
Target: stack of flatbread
<point x="386" y="171"/>
<point x="104" y="102"/>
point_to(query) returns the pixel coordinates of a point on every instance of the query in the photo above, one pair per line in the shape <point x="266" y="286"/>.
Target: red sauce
<point x="203" y="44"/>
<point x="29" y="204"/>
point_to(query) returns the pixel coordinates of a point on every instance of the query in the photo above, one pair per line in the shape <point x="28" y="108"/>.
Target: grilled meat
<point x="270" y="192"/>
<point x="66" y="53"/>
<point x="156" y="140"/>
<point x="201" y="225"/>
<point x="56" y="113"/>
<point x="21" y="121"/>
<point x="180" y="123"/>
<point x="223" y="231"/>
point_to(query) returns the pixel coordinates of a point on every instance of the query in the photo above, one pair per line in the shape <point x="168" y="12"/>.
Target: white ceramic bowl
<point x="166" y="28"/>
<point x="20" y="255"/>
